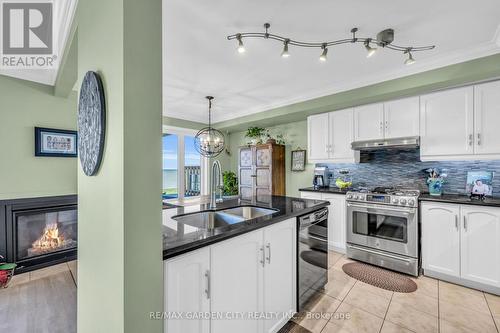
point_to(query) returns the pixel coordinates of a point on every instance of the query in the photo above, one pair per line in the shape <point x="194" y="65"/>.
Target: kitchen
<point x="252" y="166"/>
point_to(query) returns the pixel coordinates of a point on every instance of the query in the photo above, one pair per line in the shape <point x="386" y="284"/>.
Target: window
<point x="184" y="169"/>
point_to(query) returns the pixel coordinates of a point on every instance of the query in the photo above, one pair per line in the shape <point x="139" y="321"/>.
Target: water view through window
<point x="190" y="169"/>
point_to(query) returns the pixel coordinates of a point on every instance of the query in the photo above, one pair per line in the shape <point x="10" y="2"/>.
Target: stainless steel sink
<point x="217" y="219"/>
<point x="249" y="212"/>
<point x="209" y="220"/>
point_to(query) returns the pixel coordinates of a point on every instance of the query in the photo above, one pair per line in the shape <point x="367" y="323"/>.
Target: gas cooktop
<point x="395" y="196"/>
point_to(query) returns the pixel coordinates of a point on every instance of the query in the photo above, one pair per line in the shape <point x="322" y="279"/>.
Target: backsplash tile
<point x="403" y="167"/>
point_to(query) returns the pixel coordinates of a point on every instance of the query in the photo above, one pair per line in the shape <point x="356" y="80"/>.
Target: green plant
<point x="230" y="183"/>
<point x="255" y="132"/>
<point x="280" y="139"/>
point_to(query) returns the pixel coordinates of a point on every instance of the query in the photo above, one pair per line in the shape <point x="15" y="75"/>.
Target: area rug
<point x="380" y="277"/>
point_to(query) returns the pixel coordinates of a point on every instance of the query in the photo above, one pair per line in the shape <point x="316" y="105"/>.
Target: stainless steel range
<point x="382" y="228"/>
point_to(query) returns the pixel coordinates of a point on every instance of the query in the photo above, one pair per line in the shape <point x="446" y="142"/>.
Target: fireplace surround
<point x="38" y="232"/>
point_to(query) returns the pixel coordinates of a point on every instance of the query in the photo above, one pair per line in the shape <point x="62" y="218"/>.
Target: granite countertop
<point x="179" y="238"/>
<point x="460" y="199"/>
<point x="335" y="190"/>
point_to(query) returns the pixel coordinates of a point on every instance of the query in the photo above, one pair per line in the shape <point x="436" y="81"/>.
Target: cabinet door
<point x="446" y="124"/>
<point x="317" y="137"/>
<point x="480" y="244"/>
<point x="237" y="282"/>
<point x="441" y="238"/>
<point x="246" y="173"/>
<point x="487" y="118"/>
<point x="280" y="272"/>
<point x="401" y="118"/>
<point x="336" y="220"/>
<point x="368" y="122"/>
<point x="341" y="135"/>
<point x="186" y="281"/>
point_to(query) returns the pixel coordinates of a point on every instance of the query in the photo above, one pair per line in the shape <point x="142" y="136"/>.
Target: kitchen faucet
<point x="216" y="185"/>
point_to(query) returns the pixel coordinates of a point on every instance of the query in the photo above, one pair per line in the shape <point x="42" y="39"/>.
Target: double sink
<point x="210" y="220"/>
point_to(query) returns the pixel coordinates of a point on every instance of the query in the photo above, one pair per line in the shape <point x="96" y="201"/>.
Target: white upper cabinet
<point x="329" y="137"/>
<point x="446" y="124"/>
<point x="341" y="135"/>
<point x="401" y="118"/>
<point x="480" y="244"/>
<point x="318" y="137"/>
<point x="369" y="122"/>
<point x="487" y="118"/>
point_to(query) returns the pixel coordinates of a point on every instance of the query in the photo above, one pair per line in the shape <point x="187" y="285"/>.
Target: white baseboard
<point x="337" y="247"/>
<point x="462" y="282"/>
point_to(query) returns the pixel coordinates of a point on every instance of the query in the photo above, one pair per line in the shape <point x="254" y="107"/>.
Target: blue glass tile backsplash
<point x="403" y="167"/>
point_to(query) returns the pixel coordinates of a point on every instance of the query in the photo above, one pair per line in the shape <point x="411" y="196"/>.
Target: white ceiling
<point x="63" y="14"/>
<point x="199" y="61"/>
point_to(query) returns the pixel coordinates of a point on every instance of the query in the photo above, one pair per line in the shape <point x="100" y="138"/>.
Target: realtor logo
<point x="27" y="34"/>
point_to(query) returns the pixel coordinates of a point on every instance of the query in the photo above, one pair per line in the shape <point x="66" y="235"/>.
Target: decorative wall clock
<point x="91" y="123"/>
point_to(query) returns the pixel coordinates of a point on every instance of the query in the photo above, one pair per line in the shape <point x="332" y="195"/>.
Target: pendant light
<point x="209" y="142"/>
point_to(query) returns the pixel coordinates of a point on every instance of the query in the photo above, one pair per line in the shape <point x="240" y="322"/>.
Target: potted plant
<point x="6" y="273"/>
<point x="435" y="180"/>
<point x="255" y="134"/>
<point x="230" y="184"/>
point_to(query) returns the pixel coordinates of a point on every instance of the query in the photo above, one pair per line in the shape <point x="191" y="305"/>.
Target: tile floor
<point x="349" y="305"/>
<point x="40" y="301"/>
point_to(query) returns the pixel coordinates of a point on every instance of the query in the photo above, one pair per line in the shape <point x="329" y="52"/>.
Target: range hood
<point x="395" y="143"/>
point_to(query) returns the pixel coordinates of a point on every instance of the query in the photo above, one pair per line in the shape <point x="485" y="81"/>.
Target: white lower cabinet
<point x="336" y="217"/>
<point x="186" y="290"/>
<point x="461" y="243"/>
<point x="238" y="280"/>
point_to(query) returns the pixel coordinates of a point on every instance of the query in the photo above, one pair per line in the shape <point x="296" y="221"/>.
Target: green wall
<point x="120" y="266"/>
<point x="24" y="105"/>
<point x="295" y="135"/>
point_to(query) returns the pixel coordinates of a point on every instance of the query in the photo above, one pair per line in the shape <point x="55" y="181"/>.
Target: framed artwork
<point x="479" y="183"/>
<point x="53" y="142"/>
<point x="298" y="160"/>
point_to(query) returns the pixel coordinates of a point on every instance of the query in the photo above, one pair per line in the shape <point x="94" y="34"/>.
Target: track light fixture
<point x="370" y="50"/>
<point x="285" y="53"/>
<point x="410" y="60"/>
<point x="322" y="57"/>
<point x="384" y="39"/>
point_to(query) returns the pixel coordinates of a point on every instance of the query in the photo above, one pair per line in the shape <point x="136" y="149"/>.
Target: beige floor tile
<point x="374" y="290"/>
<point x="343" y="260"/>
<point x="469" y="298"/>
<point x="389" y="327"/>
<point x="447" y="327"/>
<point x="47" y="271"/>
<point x="18" y="279"/>
<point x="339" y="287"/>
<point x="333" y="257"/>
<point x="314" y="325"/>
<point x="420" y="302"/>
<point x="466" y="316"/>
<point x="494" y="304"/>
<point x="355" y="320"/>
<point x="322" y="303"/>
<point x="365" y="300"/>
<point x="73" y="267"/>
<point x="411" y="318"/>
<point x="497" y="321"/>
<point x="426" y="285"/>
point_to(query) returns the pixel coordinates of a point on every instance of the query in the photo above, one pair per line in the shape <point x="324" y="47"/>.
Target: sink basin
<point x="212" y="220"/>
<point x="249" y="212"/>
<point x="209" y="220"/>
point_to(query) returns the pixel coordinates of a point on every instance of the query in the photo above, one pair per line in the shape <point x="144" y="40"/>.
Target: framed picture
<point x="298" y="160"/>
<point x="55" y="142"/>
<point x="479" y="183"/>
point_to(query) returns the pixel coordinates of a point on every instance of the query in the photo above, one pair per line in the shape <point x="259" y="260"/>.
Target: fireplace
<point x="39" y="232"/>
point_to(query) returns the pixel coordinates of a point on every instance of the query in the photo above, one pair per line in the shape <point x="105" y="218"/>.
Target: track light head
<point x="241" y="47"/>
<point x="285" y="53"/>
<point x="410" y="60"/>
<point x="322" y="57"/>
<point x="370" y="50"/>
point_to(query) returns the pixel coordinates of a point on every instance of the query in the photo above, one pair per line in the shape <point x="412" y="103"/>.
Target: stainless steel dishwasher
<point x="312" y="254"/>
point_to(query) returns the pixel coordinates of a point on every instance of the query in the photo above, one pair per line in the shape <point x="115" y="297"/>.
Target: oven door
<point x="383" y="227"/>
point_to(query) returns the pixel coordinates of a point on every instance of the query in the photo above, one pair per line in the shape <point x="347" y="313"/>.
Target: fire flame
<point x="50" y="238"/>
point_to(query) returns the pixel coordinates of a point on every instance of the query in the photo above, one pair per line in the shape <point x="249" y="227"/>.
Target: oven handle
<point x="379" y="253"/>
<point x="371" y="208"/>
